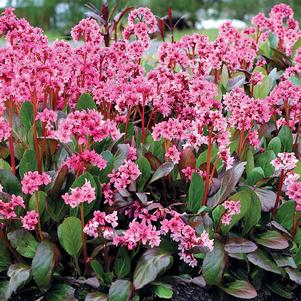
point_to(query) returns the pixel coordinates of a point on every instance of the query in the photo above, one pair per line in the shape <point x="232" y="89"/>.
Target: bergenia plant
<point x="122" y="178"/>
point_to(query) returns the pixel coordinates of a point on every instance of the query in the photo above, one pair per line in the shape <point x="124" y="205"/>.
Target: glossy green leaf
<point x="122" y="264"/>
<point x="26" y="115"/>
<point x="264" y="161"/>
<point x="262" y="260"/>
<point x="163" y="290"/>
<point x="195" y="193"/>
<point x="275" y="145"/>
<point x="286" y="137"/>
<point x="240" y="289"/>
<point x="120" y="290"/>
<point x="162" y="171"/>
<point x="28" y="162"/>
<point x="19" y="275"/>
<point x="146" y="170"/>
<point x="9" y="182"/>
<point x="86" y="102"/>
<point x="44" y="262"/>
<point x="273" y="240"/>
<point x="5" y="259"/>
<point x="70" y="235"/>
<point x="24" y="242"/>
<point x="149" y="266"/>
<point x="214" y="264"/>
<point x="61" y="292"/>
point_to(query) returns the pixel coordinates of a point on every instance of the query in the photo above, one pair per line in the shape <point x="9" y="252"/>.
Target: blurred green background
<point x="56" y="17"/>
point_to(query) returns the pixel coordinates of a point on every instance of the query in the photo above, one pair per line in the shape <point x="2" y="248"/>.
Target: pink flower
<point x="284" y="162"/>
<point x="173" y="154"/>
<point x="32" y="180"/>
<point x="256" y="78"/>
<point x="78" y="195"/>
<point x="79" y="162"/>
<point x="112" y="219"/>
<point x="30" y="220"/>
<point x="124" y="175"/>
<point x="294" y="193"/>
<point x="232" y="208"/>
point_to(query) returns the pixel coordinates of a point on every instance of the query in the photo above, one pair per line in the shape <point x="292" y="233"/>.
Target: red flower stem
<point x="281" y="179"/>
<point x="215" y="76"/>
<point x="143" y="120"/>
<point x="207" y="182"/>
<point x="295" y="224"/>
<point x="35" y="135"/>
<point x="39" y="218"/>
<point x="10" y="139"/>
<point x="241" y="139"/>
<point x="85" y="253"/>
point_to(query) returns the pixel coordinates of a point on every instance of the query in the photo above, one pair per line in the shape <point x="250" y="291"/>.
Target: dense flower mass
<point x="187" y="159"/>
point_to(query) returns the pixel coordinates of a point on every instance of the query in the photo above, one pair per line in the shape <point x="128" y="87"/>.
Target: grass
<point x="211" y="33"/>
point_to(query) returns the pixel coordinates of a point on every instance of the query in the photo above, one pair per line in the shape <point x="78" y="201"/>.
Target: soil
<point x="182" y="292"/>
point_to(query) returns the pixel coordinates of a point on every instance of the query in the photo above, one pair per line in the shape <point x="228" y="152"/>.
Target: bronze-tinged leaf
<point x="187" y="159"/>
<point x="240" y="245"/>
<point x="153" y="160"/>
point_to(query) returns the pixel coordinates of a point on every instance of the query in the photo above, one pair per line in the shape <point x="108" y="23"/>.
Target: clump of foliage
<point x="120" y="178"/>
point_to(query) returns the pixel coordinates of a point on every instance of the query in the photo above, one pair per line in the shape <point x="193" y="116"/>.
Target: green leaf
<point x="5" y="259"/>
<point x="286" y="137"/>
<point x="149" y="266"/>
<point x="162" y="171"/>
<point x="26" y="115"/>
<point x="163" y="290"/>
<point x="245" y="204"/>
<point x="28" y="162"/>
<point x="295" y="47"/>
<point x="42" y="201"/>
<point x="280" y="290"/>
<point x="273" y="240"/>
<point x="120" y="290"/>
<point x="253" y="216"/>
<point x="240" y="289"/>
<point x="9" y="182"/>
<point x="23" y="242"/>
<point x="260" y="259"/>
<point x="98" y="269"/>
<point x="264" y="161"/>
<point x="4" y="165"/>
<point x="236" y="81"/>
<point x="255" y="175"/>
<point x="285" y="214"/>
<point x="19" y="275"/>
<point x="122" y="264"/>
<point x="60" y="292"/>
<point x="195" y="193"/>
<point x="214" y="264"/>
<point x="70" y="235"/>
<point x="240" y="245"/>
<point x="146" y="170"/>
<point x="228" y="184"/>
<point x="275" y="145"/>
<point x="202" y="158"/>
<point x="96" y="296"/>
<point x="86" y="102"/>
<point x="261" y="91"/>
<point x="250" y="161"/>
<point x="294" y="275"/>
<point x="44" y="262"/>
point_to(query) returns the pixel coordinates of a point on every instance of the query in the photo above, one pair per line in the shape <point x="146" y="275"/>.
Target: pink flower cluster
<point x="173" y="154"/>
<point x="126" y="174"/>
<point x="7" y="209"/>
<point x="78" y="195"/>
<point x="79" y="162"/>
<point x="101" y="221"/>
<point x="294" y="193"/>
<point x="48" y="117"/>
<point x="30" y="220"/>
<point x="186" y="237"/>
<point x="232" y="208"/>
<point x="284" y="162"/>
<point x="32" y="180"/>
<point x="84" y="125"/>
